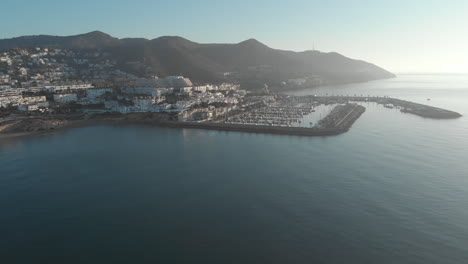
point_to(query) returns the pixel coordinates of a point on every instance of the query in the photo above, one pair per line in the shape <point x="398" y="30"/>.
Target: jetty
<point x="422" y="110"/>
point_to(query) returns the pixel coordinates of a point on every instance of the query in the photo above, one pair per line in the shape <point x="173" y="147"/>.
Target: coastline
<point x="292" y="131"/>
<point x="183" y="125"/>
<point x="149" y="119"/>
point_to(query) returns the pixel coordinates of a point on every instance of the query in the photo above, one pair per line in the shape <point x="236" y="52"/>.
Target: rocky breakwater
<point x="342" y="117"/>
<point x="423" y="110"/>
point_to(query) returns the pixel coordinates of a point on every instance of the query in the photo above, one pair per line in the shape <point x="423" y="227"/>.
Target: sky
<point x="403" y="36"/>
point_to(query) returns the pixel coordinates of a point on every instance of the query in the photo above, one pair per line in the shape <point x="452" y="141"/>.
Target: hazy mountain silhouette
<point x="92" y="40"/>
<point x="250" y="60"/>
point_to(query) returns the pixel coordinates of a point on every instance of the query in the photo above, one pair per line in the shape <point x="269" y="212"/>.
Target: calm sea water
<point x="392" y="190"/>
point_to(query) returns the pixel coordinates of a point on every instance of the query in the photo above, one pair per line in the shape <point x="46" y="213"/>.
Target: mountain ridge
<point x="249" y="62"/>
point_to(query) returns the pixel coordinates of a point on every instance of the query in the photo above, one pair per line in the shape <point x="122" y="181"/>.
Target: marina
<point x="273" y="116"/>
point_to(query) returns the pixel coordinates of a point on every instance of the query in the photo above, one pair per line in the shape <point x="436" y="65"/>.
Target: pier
<point x="404" y="106"/>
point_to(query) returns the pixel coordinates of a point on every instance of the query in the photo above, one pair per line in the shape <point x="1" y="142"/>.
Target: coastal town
<point x="52" y="81"/>
<point x="45" y="88"/>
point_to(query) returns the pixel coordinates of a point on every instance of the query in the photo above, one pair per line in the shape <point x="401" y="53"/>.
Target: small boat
<point x="428" y="99"/>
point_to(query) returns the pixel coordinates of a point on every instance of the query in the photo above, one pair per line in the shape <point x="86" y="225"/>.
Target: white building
<point x="147" y="91"/>
<point x="201" y="89"/>
<point x="148" y="103"/>
<point x="10" y="100"/>
<point x="185" y="90"/>
<point x="34" y="99"/>
<point x="64" y="87"/>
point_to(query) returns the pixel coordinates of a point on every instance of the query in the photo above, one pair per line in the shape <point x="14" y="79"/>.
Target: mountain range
<point x="250" y="62"/>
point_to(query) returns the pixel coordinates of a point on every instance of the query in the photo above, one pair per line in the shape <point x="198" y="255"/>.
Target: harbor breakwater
<point x="421" y="110"/>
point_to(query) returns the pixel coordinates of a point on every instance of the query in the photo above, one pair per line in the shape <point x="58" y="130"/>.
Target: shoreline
<point x="291" y="131"/>
<point x="63" y="123"/>
<point x="182" y="125"/>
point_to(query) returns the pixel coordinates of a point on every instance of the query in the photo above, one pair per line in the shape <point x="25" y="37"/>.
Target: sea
<point x="394" y="189"/>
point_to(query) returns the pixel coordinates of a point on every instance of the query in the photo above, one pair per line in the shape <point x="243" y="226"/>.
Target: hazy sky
<point x="399" y="35"/>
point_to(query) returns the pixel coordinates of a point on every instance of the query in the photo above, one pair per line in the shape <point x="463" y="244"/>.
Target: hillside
<point x="249" y="62"/>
